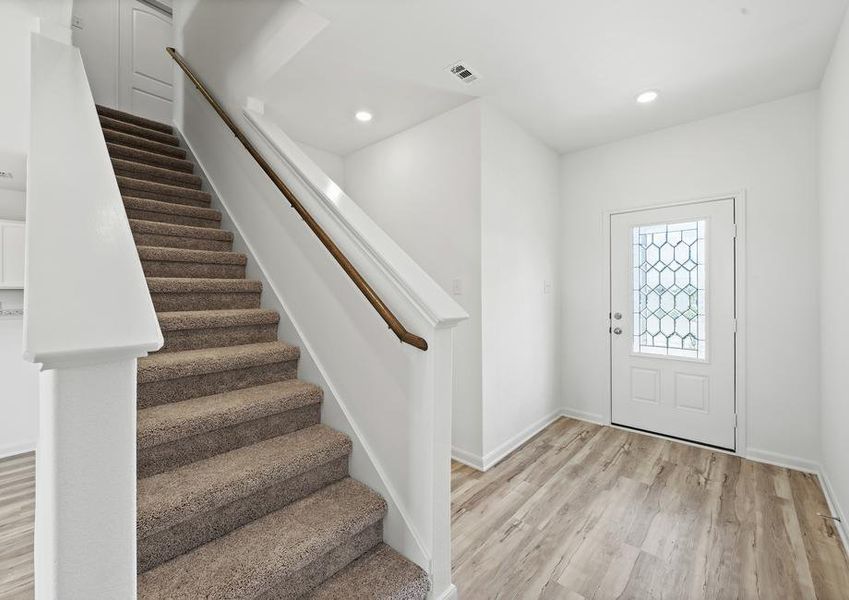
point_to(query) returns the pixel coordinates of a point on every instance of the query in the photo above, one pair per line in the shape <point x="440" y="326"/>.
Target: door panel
<point x="146" y="72"/>
<point x="672" y="321"/>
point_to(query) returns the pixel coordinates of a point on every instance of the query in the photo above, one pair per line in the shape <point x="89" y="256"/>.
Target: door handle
<point x="617" y="330"/>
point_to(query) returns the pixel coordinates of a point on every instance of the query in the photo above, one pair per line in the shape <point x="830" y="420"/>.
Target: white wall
<point x="520" y="203"/>
<point x="770" y="151"/>
<point x="422" y="186"/>
<point x="332" y="164"/>
<point x="834" y="291"/>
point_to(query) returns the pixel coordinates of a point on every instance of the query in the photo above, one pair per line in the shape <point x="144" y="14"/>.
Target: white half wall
<point x="98" y="44"/>
<point x="520" y="205"/>
<point x="770" y="152"/>
<point x="422" y="187"/>
<point x="332" y="164"/>
<point x="834" y="291"/>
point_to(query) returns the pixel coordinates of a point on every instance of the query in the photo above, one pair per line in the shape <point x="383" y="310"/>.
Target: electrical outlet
<point x="457" y="287"/>
<point x="546" y="287"/>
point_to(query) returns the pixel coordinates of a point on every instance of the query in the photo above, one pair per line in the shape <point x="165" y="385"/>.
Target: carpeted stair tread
<point x="174" y="365"/>
<point x="178" y="420"/>
<point x="137" y="170"/>
<point x="179" y="285"/>
<point x="141" y="188"/>
<point x="184" y="231"/>
<point x="186" y="255"/>
<point x="256" y="557"/>
<point x="133" y="141"/>
<point x="200" y="487"/>
<point x="143" y="157"/>
<point x="380" y="574"/>
<point x="210" y="319"/>
<point x="120" y="115"/>
<point x="139" y="131"/>
<point x="169" y="208"/>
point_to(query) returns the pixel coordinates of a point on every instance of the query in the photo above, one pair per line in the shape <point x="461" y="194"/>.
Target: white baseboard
<point x="493" y="457"/>
<point x="835" y="508"/>
<point x="15" y="449"/>
<point x="781" y="460"/>
<point x="467" y="458"/>
<point x="449" y="594"/>
<point x="581" y="415"/>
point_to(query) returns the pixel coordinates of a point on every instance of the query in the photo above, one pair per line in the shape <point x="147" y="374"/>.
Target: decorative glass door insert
<point x="669" y="290"/>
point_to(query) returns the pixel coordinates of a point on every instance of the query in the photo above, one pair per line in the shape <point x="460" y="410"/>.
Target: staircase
<point x="242" y="492"/>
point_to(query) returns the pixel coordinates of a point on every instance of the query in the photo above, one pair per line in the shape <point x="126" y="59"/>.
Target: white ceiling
<point x="567" y="70"/>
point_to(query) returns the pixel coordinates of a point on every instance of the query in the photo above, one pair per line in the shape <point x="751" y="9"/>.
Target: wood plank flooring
<point x="17" y="512"/>
<point x="587" y="512"/>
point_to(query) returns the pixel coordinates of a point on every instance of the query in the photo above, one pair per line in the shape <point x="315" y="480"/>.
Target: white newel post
<point x="85" y="534"/>
<point x="442" y="349"/>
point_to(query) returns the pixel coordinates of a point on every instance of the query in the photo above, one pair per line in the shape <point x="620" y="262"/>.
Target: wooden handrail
<point x="391" y="320"/>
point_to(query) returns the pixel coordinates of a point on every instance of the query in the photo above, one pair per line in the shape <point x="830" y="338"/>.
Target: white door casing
<point x="145" y="85"/>
<point x="672" y="284"/>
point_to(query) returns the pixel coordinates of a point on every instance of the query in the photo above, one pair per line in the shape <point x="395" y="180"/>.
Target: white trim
<point x="17" y="449"/>
<point x="450" y="594"/>
<point x="740" y="386"/>
<point x="307" y="349"/>
<point x="834" y="508"/>
<point x="781" y="460"/>
<point x="500" y="452"/>
<point x="581" y="415"/>
<point x="469" y="459"/>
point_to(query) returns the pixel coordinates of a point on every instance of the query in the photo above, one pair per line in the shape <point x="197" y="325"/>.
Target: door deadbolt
<point x="617" y="316"/>
<point x="617" y="331"/>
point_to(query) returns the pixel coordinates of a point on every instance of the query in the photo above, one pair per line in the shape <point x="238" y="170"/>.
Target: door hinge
<point x="734" y="231"/>
<point x="734" y="325"/>
<point x="735" y="420"/>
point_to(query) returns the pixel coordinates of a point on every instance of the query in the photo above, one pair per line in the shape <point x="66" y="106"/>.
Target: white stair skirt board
<point x="16" y="449"/>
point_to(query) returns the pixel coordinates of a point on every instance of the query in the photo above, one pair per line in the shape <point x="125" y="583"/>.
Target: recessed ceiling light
<point x="363" y="116"/>
<point x="647" y="97"/>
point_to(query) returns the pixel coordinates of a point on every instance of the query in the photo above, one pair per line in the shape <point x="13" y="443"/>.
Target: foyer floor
<point x="17" y="511"/>
<point x="583" y="511"/>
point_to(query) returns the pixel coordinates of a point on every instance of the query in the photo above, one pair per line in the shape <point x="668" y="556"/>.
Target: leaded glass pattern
<point x="669" y="289"/>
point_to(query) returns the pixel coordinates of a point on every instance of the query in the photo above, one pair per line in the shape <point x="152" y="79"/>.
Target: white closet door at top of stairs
<point x="145" y="84"/>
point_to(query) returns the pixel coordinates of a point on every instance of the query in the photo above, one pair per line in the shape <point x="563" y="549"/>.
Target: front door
<point x="673" y="321"/>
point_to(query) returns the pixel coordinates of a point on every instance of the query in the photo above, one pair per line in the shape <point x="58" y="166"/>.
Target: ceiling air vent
<point x="463" y="72"/>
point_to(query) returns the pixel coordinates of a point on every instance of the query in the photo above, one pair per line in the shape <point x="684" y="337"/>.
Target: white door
<point x="673" y="321"/>
<point x="145" y="85"/>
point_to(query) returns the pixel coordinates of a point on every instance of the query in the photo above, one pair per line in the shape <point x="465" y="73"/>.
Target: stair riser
<point x="105" y="111"/>
<point x="169" y="302"/>
<point x="218" y="337"/>
<point x="164" y="545"/>
<point x="182" y="200"/>
<point x="187" y="243"/>
<point x="167" y="178"/>
<point x="195" y="386"/>
<point x="312" y="575"/>
<point x="147" y="158"/>
<point x="155" y="268"/>
<point x="117" y="137"/>
<point x="139" y="131"/>
<point x="166" y="457"/>
<point x="147" y="215"/>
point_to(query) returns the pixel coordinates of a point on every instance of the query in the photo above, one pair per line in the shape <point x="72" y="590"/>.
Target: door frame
<point x="740" y="244"/>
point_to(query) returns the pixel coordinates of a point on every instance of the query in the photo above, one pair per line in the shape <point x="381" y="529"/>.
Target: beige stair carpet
<point x="242" y="492"/>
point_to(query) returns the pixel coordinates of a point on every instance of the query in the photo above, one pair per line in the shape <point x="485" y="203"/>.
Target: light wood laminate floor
<point x="583" y="511"/>
<point x="17" y="511"/>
